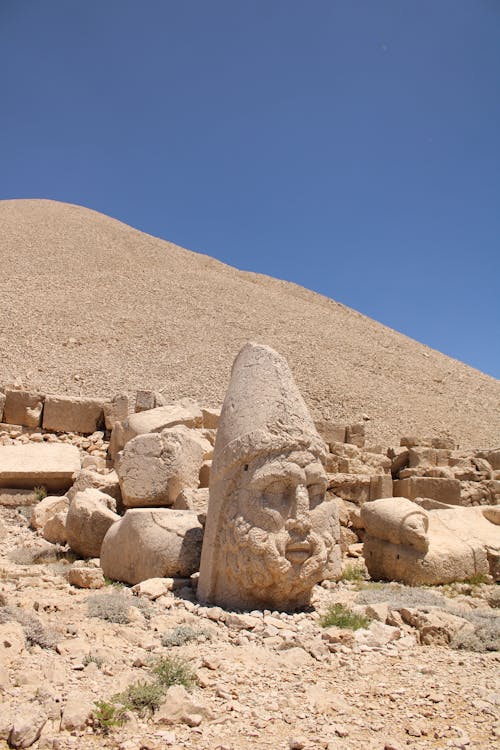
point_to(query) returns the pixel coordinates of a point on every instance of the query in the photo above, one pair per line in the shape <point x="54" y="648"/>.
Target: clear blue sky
<point x="351" y="146"/>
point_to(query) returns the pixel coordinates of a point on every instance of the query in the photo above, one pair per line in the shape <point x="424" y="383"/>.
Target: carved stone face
<point x="279" y="533"/>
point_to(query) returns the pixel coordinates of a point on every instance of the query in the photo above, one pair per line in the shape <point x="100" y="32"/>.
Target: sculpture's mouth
<point x="298" y="552"/>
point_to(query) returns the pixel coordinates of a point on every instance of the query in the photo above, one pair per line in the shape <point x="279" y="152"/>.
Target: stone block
<point x="144" y="401"/>
<point x="2" y="404"/>
<point x="412" y="441"/>
<point x="50" y="465"/>
<point x="23" y="408"/>
<point x="73" y="414"/>
<point x="115" y="410"/>
<point x="330" y="431"/>
<point x="211" y="418"/>
<point x="444" y="490"/>
<point x="418" y="457"/>
<point x="355" y="434"/>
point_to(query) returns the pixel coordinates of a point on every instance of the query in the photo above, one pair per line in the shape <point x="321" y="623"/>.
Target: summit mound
<point x="90" y="306"/>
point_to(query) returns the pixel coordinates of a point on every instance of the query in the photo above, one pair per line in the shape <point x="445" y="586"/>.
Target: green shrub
<point x="173" y="670"/>
<point x="143" y="697"/>
<point x="353" y="572"/>
<point x="112" y="607"/>
<point x="92" y="659"/>
<point x="343" y="617"/>
<point x="183" y="634"/>
<point x="40" y="493"/>
<point x="108" y="715"/>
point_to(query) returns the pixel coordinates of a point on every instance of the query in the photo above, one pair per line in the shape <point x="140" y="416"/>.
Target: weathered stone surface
<point x="73" y="414"/>
<point x="88" y="520"/>
<point x="355" y="434"/>
<point x="47" y="508"/>
<point x="360" y="488"/>
<point x="192" y="499"/>
<point x="181" y="707"/>
<point x="23" y="408"/>
<point x="211" y="418"/>
<point x="144" y="400"/>
<point x="115" y="410"/>
<point x="270" y="534"/>
<point x="78" y="708"/>
<point x="90" y="479"/>
<point x="152" y="543"/>
<point x="12" y="641"/>
<point x="184" y="412"/>
<point x="436" y="628"/>
<point x="2" y="405"/>
<point x="331" y="432"/>
<point x="85" y="577"/>
<point x="50" y="465"/>
<point x="444" y="490"/>
<point x="28" y="724"/>
<point x="54" y="529"/>
<point x="154" y="468"/>
<point x="404" y="542"/>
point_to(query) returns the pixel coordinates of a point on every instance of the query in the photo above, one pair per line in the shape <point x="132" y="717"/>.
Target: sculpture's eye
<point x="276" y="493"/>
<point x="316" y="494"/>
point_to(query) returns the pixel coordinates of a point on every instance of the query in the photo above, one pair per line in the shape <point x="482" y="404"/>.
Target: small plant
<point x="343" y="617"/>
<point x="36" y="634"/>
<point x="92" y="659"/>
<point x="108" y="715"/>
<point x="40" y="493"/>
<point x="173" y="670"/>
<point x="183" y="634"/>
<point x="115" y="584"/>
<point x="112" y="607"/>
<point x="478" y="580"/>
<point x="397" y="596"/>
<point x="353" y="572"/>
<point x="142" y="697"/>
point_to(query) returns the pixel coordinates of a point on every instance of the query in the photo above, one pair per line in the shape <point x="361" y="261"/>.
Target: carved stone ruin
<point x="270" y="534"/>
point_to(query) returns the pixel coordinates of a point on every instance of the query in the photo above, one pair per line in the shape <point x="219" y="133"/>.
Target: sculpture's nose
<point x="299" y="520"/>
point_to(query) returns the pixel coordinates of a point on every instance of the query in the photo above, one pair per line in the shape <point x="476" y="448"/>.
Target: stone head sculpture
<point x="270" y="533"/>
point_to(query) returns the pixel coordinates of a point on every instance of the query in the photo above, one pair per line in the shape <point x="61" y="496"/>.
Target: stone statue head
<point x="270" y="533"/>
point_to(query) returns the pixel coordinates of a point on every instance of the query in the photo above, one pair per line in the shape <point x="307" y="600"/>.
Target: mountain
<point x="90" y="306"/>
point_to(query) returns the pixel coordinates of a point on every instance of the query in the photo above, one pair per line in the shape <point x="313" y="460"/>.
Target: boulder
<point x="90" y="479"/>
<point x="181" y="707"/>
<point x="85" y="576"/>
<point x="154" y="468"/>
<point x="50" y="465"/>
<point x="78" y="708"/>
<point x="47" y="508"/>
<point x="28" y="725"/>
<point x="55" y="528"/>
<point x="73" y="414"/>
<point x="184" y="412"/>
<point x="436" y="628"/>
<point x="152" y="543"/>
<point x="88" y="520"/>
<point x="192" y="499"/>
<point x="23" y="408"/>
<point x="355" y="434"/>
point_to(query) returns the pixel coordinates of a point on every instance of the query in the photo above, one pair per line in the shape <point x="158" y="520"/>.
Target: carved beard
<point x="255" y="561"/>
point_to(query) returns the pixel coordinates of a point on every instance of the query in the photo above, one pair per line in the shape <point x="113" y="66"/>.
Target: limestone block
<point x="46" y="508"/>
<point x="436" y="628"/>
<point x="77" y="710"/>
<point x="152" y="543"/>
<point x="480" y="493"/>
<point x="352" y="487"/>
<point x="331" y="432"/>
<point x="88" y="520"/>
<point x="85" y="577"/>
<point x="54" y="529"/>
<point x="154" y="468"/>
<point x="28" y="724"/>
<point x="115" y="410"/>
<point x="23" y="408"/>
<point x="2" y="404"/>
<point x="184" y="412"/>
<point x="210" y="418"/>
<point x="418" y="457"/>
<point x="444" y="490"/>
<point x="50" y="465"/>
<point x="73" y="414"/>
<point x="397" y="520"/>
<point x="89" y="479"/>
<point x="270" y="532"/>
<point x="192" y="499"/>
<point x="355" y="434"/>
<point x="411" y="441"/>
<point x="181" y="707"/>
<point x="144" y="400"/>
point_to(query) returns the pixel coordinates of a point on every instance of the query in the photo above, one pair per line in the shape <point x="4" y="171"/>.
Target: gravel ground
<point x="90" y="306"/>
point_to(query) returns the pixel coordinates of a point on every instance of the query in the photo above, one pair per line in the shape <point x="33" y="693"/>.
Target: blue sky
<point x="351" y="146"/>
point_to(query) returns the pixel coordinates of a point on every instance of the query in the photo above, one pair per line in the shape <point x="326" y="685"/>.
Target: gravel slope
<point x="90" y="306"/>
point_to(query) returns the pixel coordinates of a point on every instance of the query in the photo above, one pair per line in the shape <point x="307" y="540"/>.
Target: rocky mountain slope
<point x="90" y="306"/>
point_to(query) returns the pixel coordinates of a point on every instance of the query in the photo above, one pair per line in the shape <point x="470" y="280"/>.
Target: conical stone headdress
<point x="263" y="412"/>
